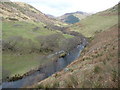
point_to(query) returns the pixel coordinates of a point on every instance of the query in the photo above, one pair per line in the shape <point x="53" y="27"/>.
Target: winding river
<point x="46" y="70"/>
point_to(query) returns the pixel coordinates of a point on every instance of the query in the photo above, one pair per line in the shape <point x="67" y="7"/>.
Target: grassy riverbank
<point x="26" y="43"/>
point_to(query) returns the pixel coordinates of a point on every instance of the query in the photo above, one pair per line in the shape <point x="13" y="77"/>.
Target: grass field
<point x="14" y="64"/>
<point x="22" y="35"/>
<point x="24" y="29"/>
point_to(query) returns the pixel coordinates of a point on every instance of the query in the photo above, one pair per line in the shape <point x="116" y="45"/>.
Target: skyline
<point x="60" y="7"/>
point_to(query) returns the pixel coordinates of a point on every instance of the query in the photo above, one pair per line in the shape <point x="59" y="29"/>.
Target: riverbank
<point x="51" y="57"/>
<point x="96" y="68"/>
<point x="46" y="70"/>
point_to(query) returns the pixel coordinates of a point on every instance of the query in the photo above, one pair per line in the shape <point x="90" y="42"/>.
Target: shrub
<point x="72" y="82"/>
<point x="12" y="43"/>
<point x="69" y="43"/>
<point x="50" y="42"/>
<point x="114" y="75"/>
<point x="18" y="44"/>
<point x="13" y="19"/>
<point x="97" y="84"/>
<point x="40" y="86"/>
<point x="97" y="69"/>
<point x="55" y="84"/>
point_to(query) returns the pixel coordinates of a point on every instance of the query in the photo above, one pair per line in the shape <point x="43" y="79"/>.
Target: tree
<point x="72" y="19"/>
<point x="50" y="42"/>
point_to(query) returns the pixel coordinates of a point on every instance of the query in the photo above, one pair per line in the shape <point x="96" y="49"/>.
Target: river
<point x="46" y="70"/>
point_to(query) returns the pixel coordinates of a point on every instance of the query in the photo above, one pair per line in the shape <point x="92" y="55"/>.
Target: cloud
<point x="59" y="7"/>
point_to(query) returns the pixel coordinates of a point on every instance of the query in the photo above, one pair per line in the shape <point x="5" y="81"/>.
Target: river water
<point x="46" y="70"/>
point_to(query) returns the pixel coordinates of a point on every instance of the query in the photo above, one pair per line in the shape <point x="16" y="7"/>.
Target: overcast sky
<point x="60" y="7"/>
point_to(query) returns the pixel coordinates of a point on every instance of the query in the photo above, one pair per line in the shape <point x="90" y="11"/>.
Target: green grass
<point x="14" y="63"/>
<point x="94" y="24"/>
<point x="68" y="36"/>
<point x="23" y="36"/>
<point x="19" y="64"/>
<point x="24" y="29"/>
<point x="24" y="33"/>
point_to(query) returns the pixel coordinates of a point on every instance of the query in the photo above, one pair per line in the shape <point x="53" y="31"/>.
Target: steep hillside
<point x="76" y="17"/>
<point x="30" y="38"/>
<point x="97" y="66"/>
<point x="20" y="11"/>
<point x="96" y="23"/>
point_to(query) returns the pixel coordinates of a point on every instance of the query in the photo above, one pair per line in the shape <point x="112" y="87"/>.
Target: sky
<point x="60" y="7"/>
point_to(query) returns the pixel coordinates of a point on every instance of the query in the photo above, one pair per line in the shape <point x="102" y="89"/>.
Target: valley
<point x="97" y="67"/>
<point x="71" y="51"/>
<point x="30" y="41"/>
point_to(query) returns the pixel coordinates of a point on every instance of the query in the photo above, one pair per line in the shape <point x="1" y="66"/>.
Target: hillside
<point x="73" y="17"/>
<point x="97" y="66"/>
<point x="28" y="36"/>
<point x="20" y="11"/>
<point x="35" y="46"/>
<point x="51" y="16"/>
<point x="97" y="22"/>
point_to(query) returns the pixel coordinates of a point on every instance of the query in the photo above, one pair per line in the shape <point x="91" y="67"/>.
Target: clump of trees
<point x="11" y="43"/>
<point x="50" y="43"/>
<point x="69" y="43"/>
<point x="72" y="19"/>
<point x="17" y="44"/>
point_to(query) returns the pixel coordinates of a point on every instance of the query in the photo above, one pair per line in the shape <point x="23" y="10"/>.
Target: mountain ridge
<point x="78" y="14"/>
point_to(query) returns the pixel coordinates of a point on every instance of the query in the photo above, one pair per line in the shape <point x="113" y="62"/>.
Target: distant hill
<point x="73" y="17"/>
<point x="20" y="11"/>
